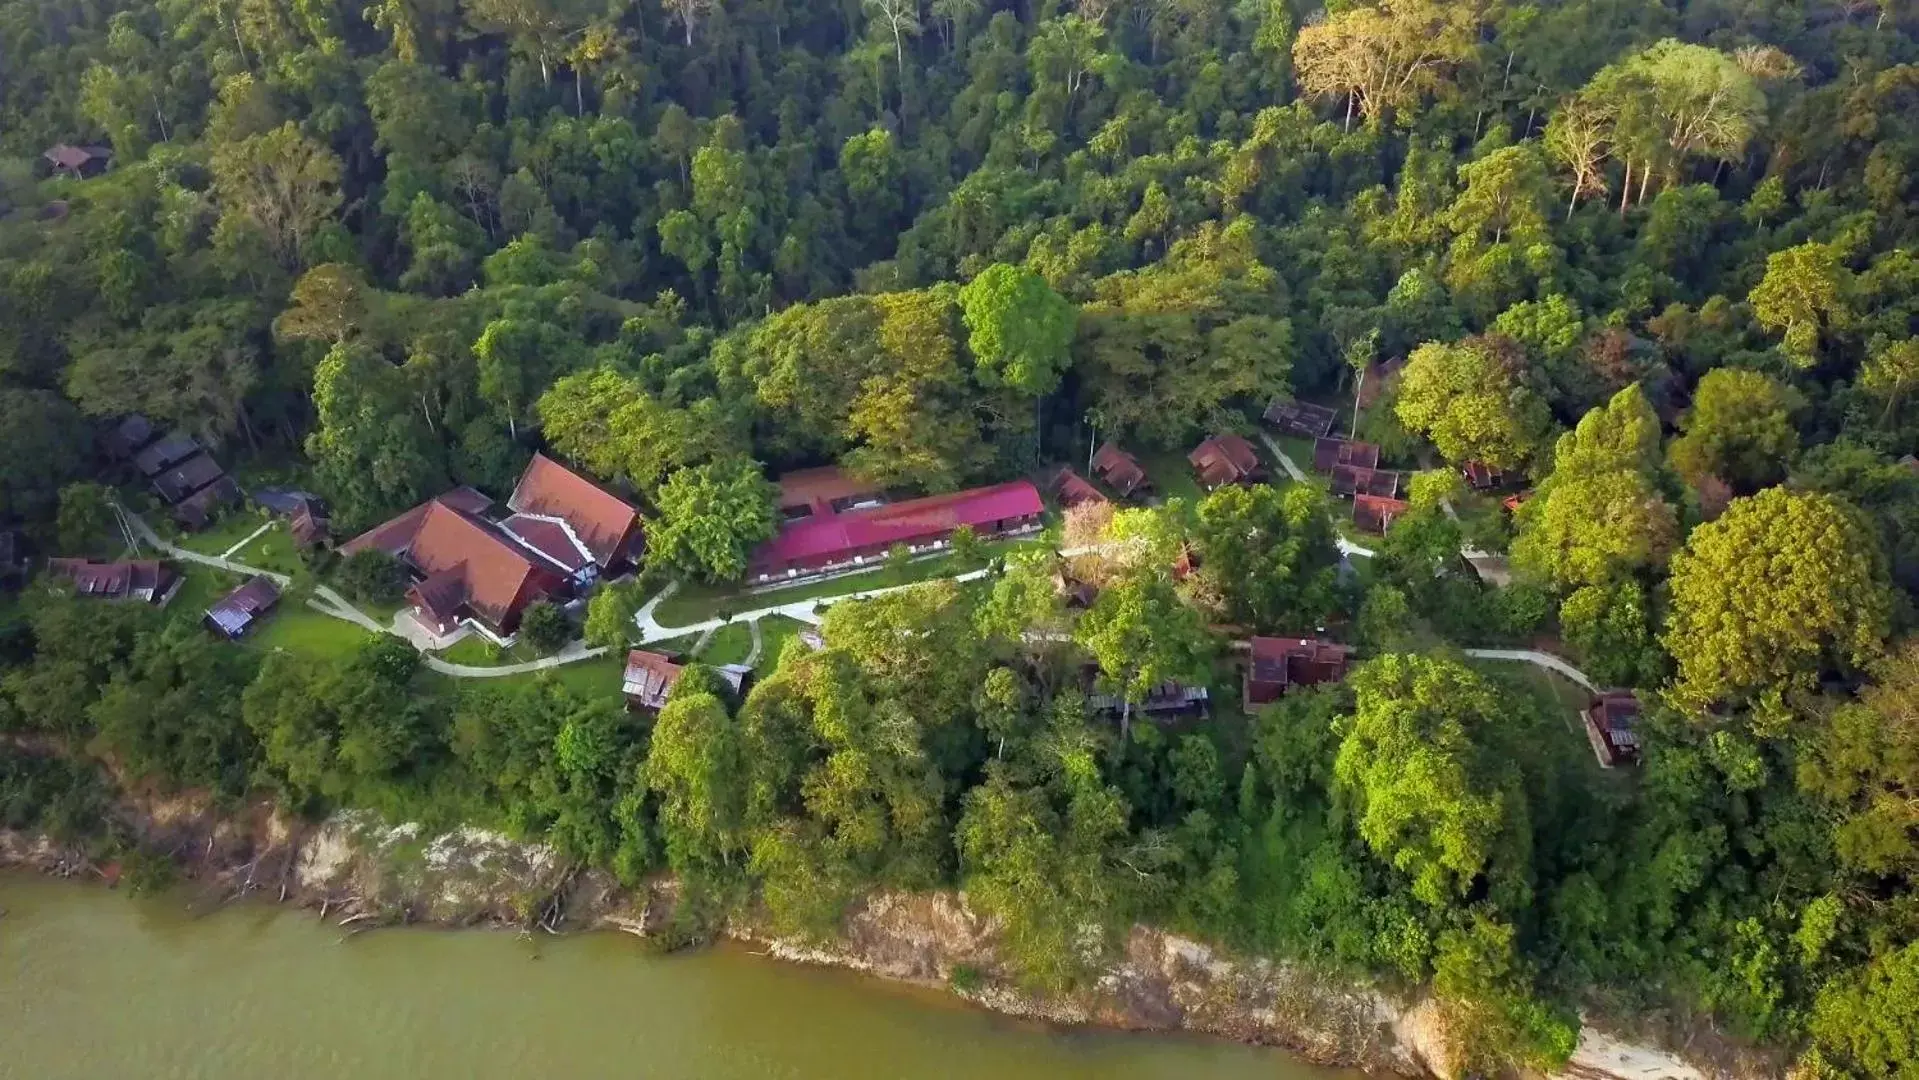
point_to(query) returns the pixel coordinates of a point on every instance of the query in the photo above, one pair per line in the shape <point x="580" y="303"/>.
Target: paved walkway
<point x="1538" y="659"/>
<point x="328" y="602"/>
<point x="250" y="538"/>
<point x="753" y="654"/>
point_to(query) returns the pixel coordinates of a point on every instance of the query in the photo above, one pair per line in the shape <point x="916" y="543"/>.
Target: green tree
<point x="609" y="614"/>
<point x="1427" y="798"/>
<point x="711" y="516"/>
<point x="1141" y="634"/>
<point x="545" y="627"/>
<point x="86" y="518"/>
<point x="1600" y="516"/>
<point x="1472" y="400"/>
<point x="1738" y="430"/>
<point x="1021" y="330"/>
<point x="694" y="767"/>
<point x="1271" y="554"/>
<point x="1807" y="295"/>
<point x="1782" y="587"/>
<point x="281" y="184"/>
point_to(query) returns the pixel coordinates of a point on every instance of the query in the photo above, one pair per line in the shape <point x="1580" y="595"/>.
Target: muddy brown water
<point x="95" y="984"/>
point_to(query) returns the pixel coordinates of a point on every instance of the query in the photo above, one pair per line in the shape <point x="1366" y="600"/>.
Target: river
<point x="97" y="985"/>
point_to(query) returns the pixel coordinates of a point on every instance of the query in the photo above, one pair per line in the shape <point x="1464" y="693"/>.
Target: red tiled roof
<point x="1224" y="459"/>
<point x="1300" y="418"/>
<point x="1118" y="468"/>
<point x="601" y="520"/>
<point x="1374" y="513"/>
<point x="1353" y="480"/>
<point x="650" y="677"/>
<point x="73" y="157"/>
<point x="899" y="523"/>
<point x="444" y="545"/>
<point x="1074" y="489"/>
<point x="468" y="500"/>
<point x="1277" y="663"/>
<point x="306" y="528"/>
<point x="1480" y="475"/>
<point x="549" y="538"/>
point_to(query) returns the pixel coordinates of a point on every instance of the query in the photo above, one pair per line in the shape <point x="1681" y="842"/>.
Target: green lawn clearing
<point x="729" y="645"/>
<point x="223" y="534"/>
<point x="775" y="632"/>
<point x="1171" y="475"/>
<point x="293" y="627"/>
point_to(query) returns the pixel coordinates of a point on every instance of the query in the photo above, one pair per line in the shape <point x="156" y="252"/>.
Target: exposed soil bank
<point x="360" y="873"/>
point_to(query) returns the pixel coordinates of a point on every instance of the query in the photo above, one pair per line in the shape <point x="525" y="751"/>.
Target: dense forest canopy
<point x="1654" y="258"/>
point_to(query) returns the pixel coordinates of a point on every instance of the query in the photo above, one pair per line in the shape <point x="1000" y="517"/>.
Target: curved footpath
<point x="328" y="602"/>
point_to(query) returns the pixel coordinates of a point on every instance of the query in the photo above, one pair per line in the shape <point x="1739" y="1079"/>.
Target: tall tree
<point x="1386" y="57"/>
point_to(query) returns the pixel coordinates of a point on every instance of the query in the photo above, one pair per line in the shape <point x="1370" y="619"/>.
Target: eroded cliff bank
<point x="361" y="873"/>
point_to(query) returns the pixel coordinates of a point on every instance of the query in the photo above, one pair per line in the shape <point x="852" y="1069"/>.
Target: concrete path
<point x="250" y="538"/>
<point x="1346" y="547"/>
<point x="753" y="654"/>
<point x="1538" y="659"/>
<point x="573" y="653"/>
<point x="706" y="639"/>
<point x="152" y="539"/>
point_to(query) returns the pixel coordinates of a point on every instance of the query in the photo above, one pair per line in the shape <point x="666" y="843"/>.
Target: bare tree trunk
<point x="1359" y="387"/>
<point x="1573" y="203"/>
<point x="1625" y="188"/>
<point x="579" y="93"/>
<point x="1645" y="177"/>
<point x="1349" y="112"/>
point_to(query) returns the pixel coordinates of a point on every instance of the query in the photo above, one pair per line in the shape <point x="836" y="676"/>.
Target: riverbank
<point x="357" y="873"/>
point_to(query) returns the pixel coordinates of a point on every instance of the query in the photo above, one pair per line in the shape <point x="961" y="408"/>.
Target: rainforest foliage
<point x="1652" y="259"/>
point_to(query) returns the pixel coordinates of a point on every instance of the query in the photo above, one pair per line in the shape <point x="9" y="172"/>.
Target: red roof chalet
<point x="1609" y="726"/>
<point x="570" y="519"/>
<point x="146" y="581"/>
<point x="1120" y="470"/>
<point x="1075" y="490"/>
<point x="78" y="161"/>
<point x="1225" y="459"/>
<point x="1374" y="514"/>
<point x="823" y="490"/>
<point x="1329" y="454"/>
<point x="467" y="567"/>
<point x="1278" y="664"/>
<point x="1512" y="503"/>
<point x="820" y="542"/>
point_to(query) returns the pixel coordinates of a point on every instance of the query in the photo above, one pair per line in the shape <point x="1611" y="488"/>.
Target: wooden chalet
<point x="1329" y="454"/>
<point x="197" y="510"/>
<point x="1480" y="476"/>
<point x="1225" y="459"/>
<point x="165" y="453"/>
<point x="1300" y="419"/>
<point x="1276" y="665"/>
<point x="1167" y="701"/>
<point x="1513" y="502"/>
<point x="1610" y="722"/>
<point x="823" y="491"/>
<point x="128" y="437"/>
<point x="147" y="581"/>
<point x="239" y="610"/>
<point x="78" y="162"/>
<point x="309" y="527"/>
<point x="1374" y="514"/>
<point x="650" y="677"/>
<point x="1120" y="470"/>
<point x="1352" y="480"/>
<point x="1072" y="490"/>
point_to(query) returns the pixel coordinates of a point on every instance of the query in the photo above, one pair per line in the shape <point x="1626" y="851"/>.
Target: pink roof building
<point x="822" y="541"/>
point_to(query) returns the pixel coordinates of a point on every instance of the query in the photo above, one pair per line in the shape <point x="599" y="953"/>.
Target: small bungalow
<point x="1374" y="514"/>
<point x="1072" y="489"/>
<point x="147" y="581"/>
<point x="1610" y="720"/>
<point x="309" y="527"/>
<point x="237" y="611"/>
<point x="1480" y="476"/>
<point x="1167" y="701"/>
<point x="78" y="162"/>
<point x="650" y="678"/>
<point x="824" y="490"/>
<point x="1300" y="419"/>
<point x="1352" y="480"/>
<point x="1329" y="454"/>
<point x="1225" y="459"/>
<point x="1493" y="570"/>
<point x="183" y="478"/>
<point x="1120" y="470"/>
<point x="1513" y="502"/>
<point x="197" y="509"/>
<point x="1275" y="665"/>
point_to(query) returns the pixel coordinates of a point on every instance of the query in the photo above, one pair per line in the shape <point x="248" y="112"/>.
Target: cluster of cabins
<point x="1217" y="462"/>
<point x="180" y="471"/>
<point x="558" y="534"/>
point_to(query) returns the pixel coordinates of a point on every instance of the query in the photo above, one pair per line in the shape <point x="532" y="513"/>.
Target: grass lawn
<point x="730" y="645"/>
<point x="272" y="551"/>
<point x="296" y="628"/>
<point x="694" y="603"/>
<point x="599" y="677"/>
<point x="1171" y="474"/>
<point x="225" y="533"/>
<point x="775" y="632"/>
<point x="474" y="650"/>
